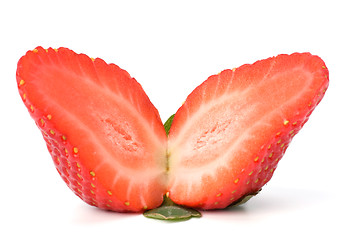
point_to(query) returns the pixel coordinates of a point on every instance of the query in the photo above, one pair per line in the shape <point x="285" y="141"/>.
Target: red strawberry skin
<point x="226" y="140"/>
<point x="105" y="137"/>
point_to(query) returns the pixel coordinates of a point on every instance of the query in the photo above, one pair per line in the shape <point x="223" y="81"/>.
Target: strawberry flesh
<point x="226" y="140"/>
<point x="104" y="135"/>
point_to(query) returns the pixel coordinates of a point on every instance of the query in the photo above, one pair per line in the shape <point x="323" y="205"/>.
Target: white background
<point x="170" y="48"/>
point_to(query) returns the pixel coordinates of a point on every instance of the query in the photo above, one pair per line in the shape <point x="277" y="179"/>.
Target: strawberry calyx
<point x="244" y="199"/>
<point x="168" y="124"/>
<point x="171" y="211"/>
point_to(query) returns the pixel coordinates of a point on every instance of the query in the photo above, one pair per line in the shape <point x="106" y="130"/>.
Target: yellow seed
<point x="262" y="160"/>
<point x="236" y="181"/>
<point x="234" y="191"/>
<point x="219" y="194"/>
<point x="46" y="50"/>
<point x="323" y="67"/>
<point x="251" y="173"/>
<point x="93" y="186"/>
<point x="24" y="96"/>
<point x="79" y="176"/>
<point x="76" y="150"/>
<point x="92" y="192"/>
<point x="93" y="59"/>
<point x="260" y="170"/>
<point x="55" y="49"/>
<point x="286" y="122"/>
<point x="256" y="159"/>
<point x="294" y="123"/>
<point x="145" y="207"/>
<point x="266" y="168"/>
<point x="231" y="199"/>
<point x="52" y="132"/>
<point x="79" y="190"/>
<point x="78" y="165"/>
<point x="49" y="116"/>
<point x="270" y="155"/>
<point x="21" y="82"/>
<point x="248" y="182"/>
<point x="279" y="141"/>
<point x="265" y="179"/>
<point x="278" y="133"/>
<point x="109" y="192"/>
<point x="291" y="131"/>
<point x="269" y="147"/>
<point x="78" y="183"/>
<point x="42" y="122"/>
<point x="309" y="104"/>
<point x="216" y="203"/>
<point x="257" y="180"/>
<point x="35" y="50"/>
<point x="234" y="69"/>
<point x="32" y="108"/>
<point x="64" y="138"/>
<point x="92" y="173"/>
<point x="282" y="145"/>
<point x="127" y="203"/>
<point x="271" y="170"/>
<point x="108" y="205"/>
<point x="109" y="200"/>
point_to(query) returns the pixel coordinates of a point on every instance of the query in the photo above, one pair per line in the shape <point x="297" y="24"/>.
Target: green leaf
<point x="168" y="124"/>
<point x="244" y="199"/>
<point x="171" y="211"/>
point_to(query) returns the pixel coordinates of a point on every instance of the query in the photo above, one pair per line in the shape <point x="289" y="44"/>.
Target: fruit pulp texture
<point x="231" y="121"/>
<point x="96" y="117"/>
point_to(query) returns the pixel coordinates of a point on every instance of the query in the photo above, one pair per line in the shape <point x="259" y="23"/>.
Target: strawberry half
<point x="226" y="140"/>
<point x="105" y="137"/>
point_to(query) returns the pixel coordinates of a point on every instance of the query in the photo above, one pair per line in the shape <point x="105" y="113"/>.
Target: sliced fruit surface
<point x="105" y="136"/>
<point x="227" y="138"/>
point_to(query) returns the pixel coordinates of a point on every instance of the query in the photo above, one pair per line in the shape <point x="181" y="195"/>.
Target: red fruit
<point x="227" y="138"/>
<point x="110" y="147"/>
<point x="104" y="135"/>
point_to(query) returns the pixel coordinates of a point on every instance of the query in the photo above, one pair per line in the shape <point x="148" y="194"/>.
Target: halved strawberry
<point x="105" y="136"/>
<point x="110" y="147"/>
<point x="226" y="140"/>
